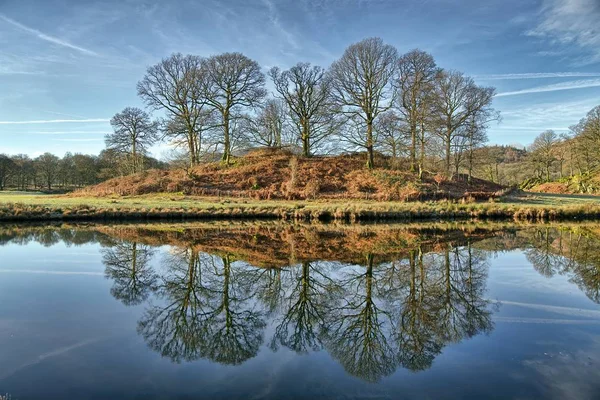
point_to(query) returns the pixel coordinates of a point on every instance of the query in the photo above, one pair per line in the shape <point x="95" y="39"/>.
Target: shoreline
<point x="307" y="211"/>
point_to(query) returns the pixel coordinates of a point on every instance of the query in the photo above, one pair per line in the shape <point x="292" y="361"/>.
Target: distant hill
<point x="278" y="174"/>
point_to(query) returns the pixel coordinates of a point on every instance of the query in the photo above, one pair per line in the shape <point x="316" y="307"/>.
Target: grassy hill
<point x="276" y="174"/>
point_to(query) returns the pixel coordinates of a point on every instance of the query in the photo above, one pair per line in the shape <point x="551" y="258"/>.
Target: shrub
<point x="291" y="184"/>
<point x="312" y="188"/>
<point x="439" y="179"/>
<point x="253" y="183"/>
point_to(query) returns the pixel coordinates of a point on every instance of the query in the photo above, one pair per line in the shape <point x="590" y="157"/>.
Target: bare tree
<point x="48" y="165"/>
<point x="362" y="84"/>
<point x="306" y="91"/>
<point x="198" y="144"/>
<point x="589" y="132"/>
<point x="393" y="134"/>
<point x="134" y="133"/>
<point x="542" y="151"/>
<point x="456" y="99"/>
<point x="267" y="128"/>
<point x="475" y="136"/>
<point x="233" y="81"/>
<point x="7" y="166"/>
<point x="175" y="85"/>
<point x="416" y="75"/>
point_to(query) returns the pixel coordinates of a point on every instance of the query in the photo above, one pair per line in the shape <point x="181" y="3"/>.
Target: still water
<point x="276" y="311"/>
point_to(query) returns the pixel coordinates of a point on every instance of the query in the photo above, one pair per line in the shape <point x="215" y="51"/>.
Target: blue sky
<point x="66" y="66"/>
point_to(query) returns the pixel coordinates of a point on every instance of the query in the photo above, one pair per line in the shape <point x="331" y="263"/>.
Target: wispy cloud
<point x="579" y="84"/>
<point x="274" y="18"/>
<point x="77" y="140"/>
<point x="55" y="121"/>
<point x="68" y="133"/>
<point x="46" y="37"/>
<point x="571" y="22"/>
<point x="538" y="75"/>
<point x="528" y="128"/>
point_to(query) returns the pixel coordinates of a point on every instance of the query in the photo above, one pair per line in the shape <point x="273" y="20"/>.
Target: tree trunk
<point x="497" y="175"/>
<point x="305" y="139"/>
<point x="470" y="166"/>
<point x="561" y="168"/>
<point x="413" y="147"/>
<point x="447" y="140"/>
<point x="191" y="146"/>
<point x="134" y="155"/>
<point x="226" y="138"/>
<point x="422" y="155"/>
<point x="371" y="157"/>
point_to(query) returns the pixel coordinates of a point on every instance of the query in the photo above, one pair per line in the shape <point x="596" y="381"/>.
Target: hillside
<point x="276" y="174"/>
<point x="588" y="183"/>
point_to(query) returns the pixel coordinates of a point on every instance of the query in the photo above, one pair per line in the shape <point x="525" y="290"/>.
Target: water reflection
<point x="374" y="298"/>
<point x="127" y="264"/>
<point x="208" y="311"/>
<point x="380" y="312"/>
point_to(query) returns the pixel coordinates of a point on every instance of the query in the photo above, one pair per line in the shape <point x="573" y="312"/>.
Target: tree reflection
<point x="572" y="252"/>
<point x="372" y="318"/>
<point x="463" y="312"/>
<point x="235" y="326"/>
<point x="127" y="264"/>
<point x="304" y="317"/>
<point x="208" y="311"/>
<point x="360" y="328"/>
<point x="416" y="333"/>
<point x="176" y="328"/>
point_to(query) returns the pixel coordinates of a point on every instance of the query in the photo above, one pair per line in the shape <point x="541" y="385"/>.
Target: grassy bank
<point x="18" y="206"/>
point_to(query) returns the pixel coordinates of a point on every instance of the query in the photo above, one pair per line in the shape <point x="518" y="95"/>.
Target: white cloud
<point x="54" y="121"/>
<point x="77" y="140"/>
<point x="528" y="128"/>
<point x="522" y="123"/>
<point x="579" y="84"/>
<point x="68" y="133"/>
<point x="571" y="22"/>
<point x="276" y="22"/>
<point x="538" y="75"/>
<point x="46" y="37"/>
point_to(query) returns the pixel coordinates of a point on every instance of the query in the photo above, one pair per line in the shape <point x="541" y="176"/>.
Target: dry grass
<point x="25" y="207"/>
<point x="279" y="175"/>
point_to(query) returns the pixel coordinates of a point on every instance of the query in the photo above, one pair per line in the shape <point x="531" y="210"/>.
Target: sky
<point x="67" y="66"/>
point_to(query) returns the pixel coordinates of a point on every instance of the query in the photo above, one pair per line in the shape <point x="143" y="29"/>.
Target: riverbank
<point x="15" y="206"/>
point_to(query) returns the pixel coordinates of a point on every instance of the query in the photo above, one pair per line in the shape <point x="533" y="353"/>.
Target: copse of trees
<point x="370" y="99"/>
<point x="571" y="158"/>
<point x="49" y="172"/>
<point x="553" y="156"/>
<point x="422" y="117"/>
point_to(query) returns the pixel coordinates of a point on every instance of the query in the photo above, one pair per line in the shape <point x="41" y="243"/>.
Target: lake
<point x="279" y="311"/>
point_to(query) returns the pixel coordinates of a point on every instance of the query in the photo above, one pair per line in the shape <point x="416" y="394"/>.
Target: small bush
<point x="312" y="189"/>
